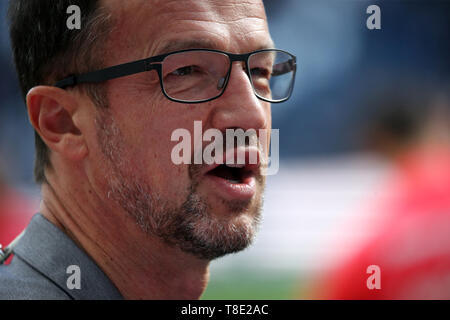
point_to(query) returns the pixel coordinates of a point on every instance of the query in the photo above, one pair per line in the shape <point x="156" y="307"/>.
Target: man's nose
<point x="239" y="107"/>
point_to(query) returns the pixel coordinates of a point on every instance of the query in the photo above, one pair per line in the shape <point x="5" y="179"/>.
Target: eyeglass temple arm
<point x="122" y="70"/>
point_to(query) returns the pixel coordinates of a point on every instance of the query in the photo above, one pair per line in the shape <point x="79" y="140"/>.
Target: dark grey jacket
<point x="44" y="265"/>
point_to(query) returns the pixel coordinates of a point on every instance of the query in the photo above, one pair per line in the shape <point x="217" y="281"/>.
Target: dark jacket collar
<point x="50" y="251"/>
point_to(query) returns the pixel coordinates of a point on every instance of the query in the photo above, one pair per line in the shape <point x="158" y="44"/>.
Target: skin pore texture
<point x="152" y="226"/>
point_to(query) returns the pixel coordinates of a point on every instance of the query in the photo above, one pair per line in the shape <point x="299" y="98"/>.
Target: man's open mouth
<point x="235" y="181"/>
<point x="234" y="173"/>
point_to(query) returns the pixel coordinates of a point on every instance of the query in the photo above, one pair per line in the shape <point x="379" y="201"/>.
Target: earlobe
<point x="51" y="111"/>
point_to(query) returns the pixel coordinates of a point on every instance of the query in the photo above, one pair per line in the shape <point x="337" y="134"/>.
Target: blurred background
<point x="364" y="173"/>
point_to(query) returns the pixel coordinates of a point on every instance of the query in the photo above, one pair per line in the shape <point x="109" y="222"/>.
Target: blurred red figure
<point x="411" y="251"/>
<point x="15" y="212"/>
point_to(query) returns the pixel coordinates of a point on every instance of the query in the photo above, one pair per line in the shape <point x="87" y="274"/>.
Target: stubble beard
<point x="192" y="227"/>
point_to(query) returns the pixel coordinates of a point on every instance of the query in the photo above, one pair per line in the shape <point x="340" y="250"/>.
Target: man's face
<point x="190" y="206"/>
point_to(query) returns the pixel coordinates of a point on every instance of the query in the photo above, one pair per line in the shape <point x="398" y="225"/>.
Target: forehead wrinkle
<point x="162" y="8"/>
<point x="175" y="45"/>
<point x="210" y="19"/>
<point x="204" y="43"/>
<point x="218" y="12"/>
<point x="210" y="40"/>
<point x="214" y="34"/>
<point x="221" y="14"/>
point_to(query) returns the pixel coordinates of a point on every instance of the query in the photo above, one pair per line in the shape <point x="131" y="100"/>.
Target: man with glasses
<point x="119" y="219"/>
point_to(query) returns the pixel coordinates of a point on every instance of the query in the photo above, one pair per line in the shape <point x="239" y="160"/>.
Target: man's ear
<point x="51" y="111"/>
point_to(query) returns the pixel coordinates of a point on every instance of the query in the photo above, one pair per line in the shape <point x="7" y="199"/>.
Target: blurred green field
<point x="245" y="285"/>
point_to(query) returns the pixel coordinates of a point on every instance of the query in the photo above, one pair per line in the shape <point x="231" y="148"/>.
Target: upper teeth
<point x="235" y="165"/>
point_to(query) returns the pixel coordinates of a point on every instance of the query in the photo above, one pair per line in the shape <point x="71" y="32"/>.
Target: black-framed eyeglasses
<point x="201" y="75"/>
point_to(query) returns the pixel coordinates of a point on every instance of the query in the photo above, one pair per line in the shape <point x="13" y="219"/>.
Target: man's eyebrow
<point x="201" y="44"/>
<point x="269" y="44"/>
<point x="187" y="44"/>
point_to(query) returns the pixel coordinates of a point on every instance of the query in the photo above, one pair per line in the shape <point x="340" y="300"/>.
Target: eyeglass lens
<point x="202" y="75"/>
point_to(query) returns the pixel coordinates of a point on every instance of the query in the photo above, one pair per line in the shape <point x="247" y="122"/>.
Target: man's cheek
<point x="172" y="181"/>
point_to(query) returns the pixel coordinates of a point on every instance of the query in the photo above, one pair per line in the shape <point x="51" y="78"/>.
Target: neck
<point x="139" y="265"/>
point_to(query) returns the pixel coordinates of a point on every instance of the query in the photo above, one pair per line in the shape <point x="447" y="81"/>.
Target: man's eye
<point x="260" y="73"/>
<point x="184" y="71"/>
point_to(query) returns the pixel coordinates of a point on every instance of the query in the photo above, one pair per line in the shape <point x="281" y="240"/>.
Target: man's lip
<point x="233" y="154"/>
<point x="233" y="191"/>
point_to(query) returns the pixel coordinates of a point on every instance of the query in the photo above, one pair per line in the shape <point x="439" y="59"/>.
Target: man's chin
<point x="213" y="239"/>
<point x="212" y="230"/>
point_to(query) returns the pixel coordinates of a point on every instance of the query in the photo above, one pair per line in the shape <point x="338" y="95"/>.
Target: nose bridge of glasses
<point x="238" y="57"/>
<point x="242" y="58"/>
<point x="234" y="59"/>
